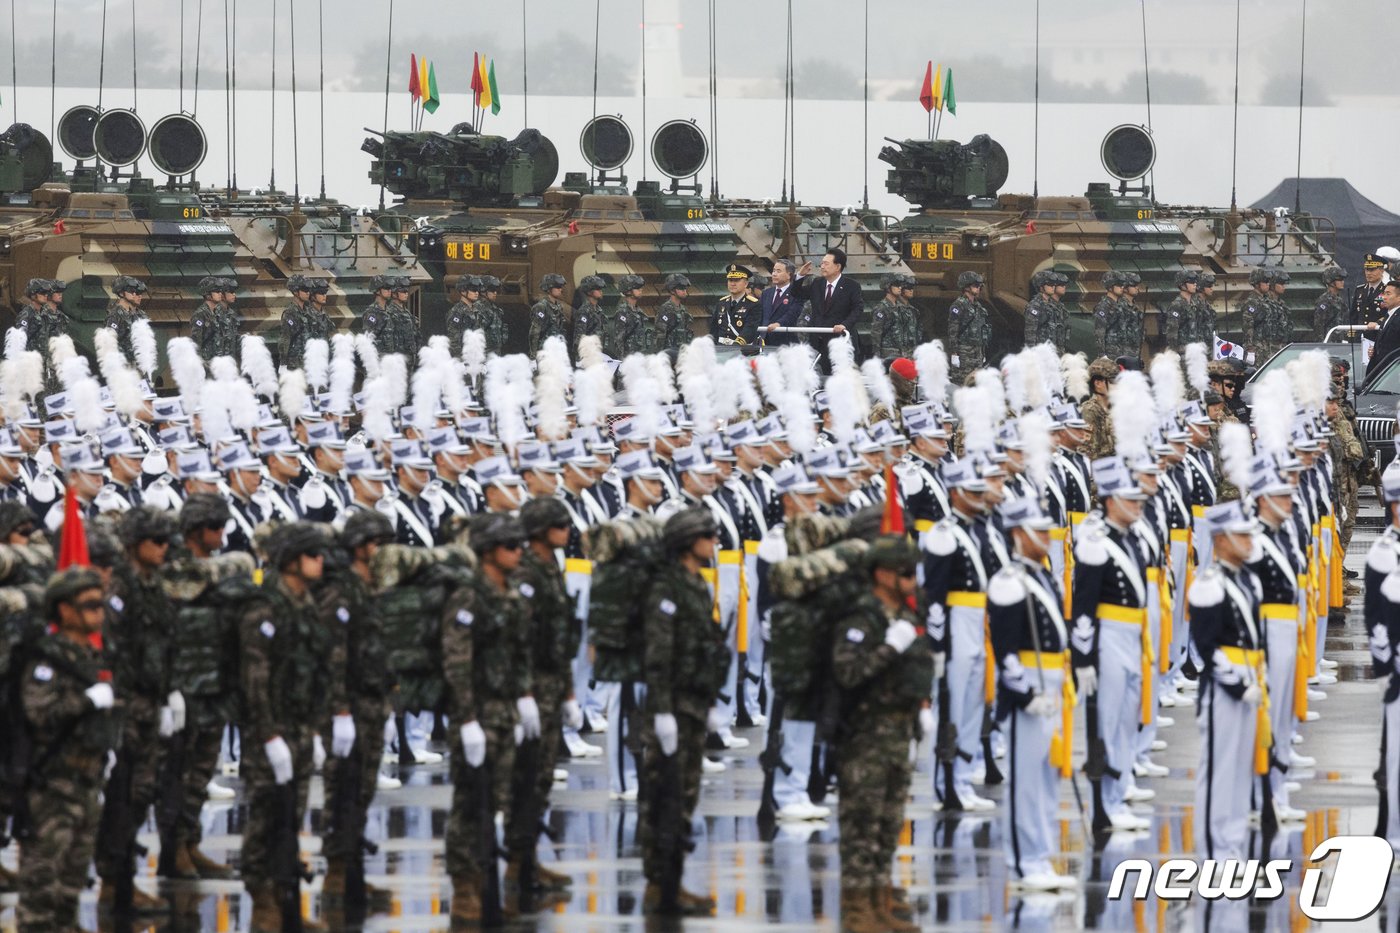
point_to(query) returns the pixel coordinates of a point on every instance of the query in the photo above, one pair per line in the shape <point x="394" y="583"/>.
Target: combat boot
<point x="267" y="918"/>
<point x="144" y="903"/>
<point x="333" y="885"/>
<point x="689" y="905"/>
<point x="552" y="880"/>
<point x="184" y="868"/>
<point x="882" y="899"/>
<point x="466" y="901"/>
<point x="858" y="913"/>
<point x="208" y="868"/>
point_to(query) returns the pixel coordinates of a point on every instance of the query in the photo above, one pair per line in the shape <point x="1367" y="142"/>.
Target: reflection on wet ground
<point x="952" y="868"/>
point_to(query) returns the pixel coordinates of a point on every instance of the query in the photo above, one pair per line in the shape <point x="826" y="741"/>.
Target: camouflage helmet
<point x="126" y="283"/>
<point x="1187" y="277"/>
<point x="319" y="286"/>
<point x="1103" y="368"/>
<point x="1332" y="274"/>
<point x="592" y="283"/>
<point x="146" y="523"/>
<point x="1281" y="277"/>
<point x="539" y="515"/>
<point x="675" y="280"/>
<point x="469" y="283"/>
<point x="229" y="283"/>
<point x="865" y="524"/>
<point x="295" y="539"/>
<point x="1260" y="276"/>
<point x="363" y="526"/>
<point x="204" y="510"/>
<point x="56" y="286"/>
<point x="299" y="283"/>
<point x="64" y="587"/>
<point x="552" y="281"/>
<point x="686" y="527"/>
<point x="210" y="284"/>
<point x="378" y="283"/>
<point x="969" y="279"/>
<point x="494" y="530"/>
<point x="400" y="283"/>
<point x="892" y="552"/>
<point x="489" y="283"/>
<point x="891" y="280"/>
<point x="1207" y="279"/>
<point x="1039" y="280"/>
<point x="1132" y="279"/>
<point x="104" y="550"/>
<point x="630" y="283"/>
<point x="14" y="515"/>
<point x="37" y="287"/>
<point x="1058" y="278"/>
<point x="1112" y="279"/>
<point x="908" y="281"/>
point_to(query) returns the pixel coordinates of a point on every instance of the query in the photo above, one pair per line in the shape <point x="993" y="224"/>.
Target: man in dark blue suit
<point x="836" y="303"/>
<point x="781" y="302"/>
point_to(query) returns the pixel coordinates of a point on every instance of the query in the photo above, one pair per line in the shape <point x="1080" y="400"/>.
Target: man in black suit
<point x="1389" y="340"/>
<point x="835" y="303"/>
<point x="781" y="303"/>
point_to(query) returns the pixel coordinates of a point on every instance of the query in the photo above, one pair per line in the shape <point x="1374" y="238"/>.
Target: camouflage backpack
<point x="626" y="554"/>
<point x="210" y="597"/>
<point x="799" y="655"/>
<point x="411" y="586"/>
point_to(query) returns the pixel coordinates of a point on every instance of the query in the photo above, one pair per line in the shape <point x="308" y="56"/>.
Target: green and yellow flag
<point x="486" y="98"/>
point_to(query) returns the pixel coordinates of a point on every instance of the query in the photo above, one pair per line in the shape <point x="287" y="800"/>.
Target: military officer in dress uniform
<point x="1366" y="297"/>
<point x="124" y="464"/>
<point x="415" y="519"/>
<point x="281" y="457"/>
<point x="452" y="460"/>
<point x="324" y="496"/>
<point x="243" y="476"/>
<point x="736" y="316"/>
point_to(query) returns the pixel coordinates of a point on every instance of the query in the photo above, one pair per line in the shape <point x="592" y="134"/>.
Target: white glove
<point x="101" y="696"/>
<point x="167" y="722"/>
<point x="900" y="635"/>
<point x="342" y="735"/>
<point x="954" y="359"/>
<point x="726" y="341"/>
<point x="1042" y="705"/>
<point x="715" y="720"/>
<point x="318" y="752"/>
<point x="667" y="733"/>
<point x="474" y="743"/>
<point x="1253" y="694"/>
<point x="926" y="723"/>
<point x="573" y="714"/>
<point x="529" y="716"/>
<point x="1249" y="359"/>
<point x="940" y="665"/>
<point x="1088" y="681"/>
<point x="766" y="628"/>
<point x="280" y="757"/>
<point x="176" y="702"/>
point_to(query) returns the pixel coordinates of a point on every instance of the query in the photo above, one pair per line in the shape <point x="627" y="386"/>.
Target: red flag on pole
<point x="892" y="521"/>
<point x="73" y="546"/>
<point x="926" y="93"/>
<point x="476" y="78"/>
<point x="413" y="88"/>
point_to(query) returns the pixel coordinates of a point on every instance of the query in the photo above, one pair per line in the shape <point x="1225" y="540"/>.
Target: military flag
<point x="491" y="88"/>
<point x="485" y="81"/>
<point x="476" y="78"/>
<point x="950" y="103"/>
<point x="892" y="521"/>
<point x="423" y="78"/>
<point x="413" y="89"/>
<point x="926" y="93"/>
<point x="430" y="97"/>
<point x="938" y="89"/>
<point x="73" y="544"/>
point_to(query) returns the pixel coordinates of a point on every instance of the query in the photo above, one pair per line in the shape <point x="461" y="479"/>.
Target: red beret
<point x="905" y="367"/>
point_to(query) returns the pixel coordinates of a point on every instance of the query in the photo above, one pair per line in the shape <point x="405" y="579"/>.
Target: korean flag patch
<point x="464" y="617"/>
<point x="43" y="673"/>
<point x="343" y="614"/>
<point x="268" y="629"/>
<point x="668" y="607"/>
<point x="527" y="590"/>
<point x="855" y="635"/>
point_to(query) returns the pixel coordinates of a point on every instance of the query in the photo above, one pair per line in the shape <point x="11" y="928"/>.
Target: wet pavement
<point x="952" y="868"/>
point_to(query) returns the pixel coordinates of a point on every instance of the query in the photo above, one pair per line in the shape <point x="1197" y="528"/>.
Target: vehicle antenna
<point x="228" y="110"/>
<point x="388" y="63"/>
<point x="593" y="123"/>
<point x="133" y="53"/>
<point x="1235" y="130"/>
<point x="321" y="29"/>
<point x="198" y="41"/>
<point x="865" y="111"/>
<point x="714" y="108"/>
<point x="14" y="64"/>
<point x="792" y="119"/>
<point x="272" y="171"/>
<point x="182" y="53"/>
<point x="644" y="89"/>
<point x="296" y="154"/>
<point x="53" y="66"/>
<point x="102" y="57"/>
<point x="1302" y="63"/>
<point x="787" y="100"/>
<point x="1035" y="150"/>
<point x="525" y="62"/>
<point x="1147" y="86"/>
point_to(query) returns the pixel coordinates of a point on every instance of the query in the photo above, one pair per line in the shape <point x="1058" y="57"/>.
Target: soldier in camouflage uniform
<point x="197" y="581"/>
<point x="549" y="317"/>
<point x="204" y="323"/>
<point x="319" y="325"/>
<point x="589" y="318"/>
<point x="362" y="679"/>
<point x="554" y="634"/>
<point x="1203" y="310"/>
<point x="969" y="328"/>
<point x="140" y="631"/>
<point x="686" y="662"/>
<point x="1061" y="282"/>
<point x="486" y="661"/>
<point x="124" y="310"/>
<point x="1331" y="310"/>
<point x="1094" y="411"/>
<point x="627" y="329"/>
<point x="1178" y="318"/>
<point x="462" y="315"/>
<point x="883" y="667"/>
<point x="405" y="324"/>
<point x="42" y="320"/>
<point x="296" y="324"/>
<point x="1256" y="309"/>
<point x="1348" y="459"/>
<point x="894" y="329"/>
<point x="672" y="329"/>
<point x="490" y="318"/>
<point x="68" y="708"/>
<point x="229" y="322"/>
<point x="1106" y="311"/>
<point x="1042" y="317"/>
<point x="1130" y="333"/>
<point x="286" y="679"/>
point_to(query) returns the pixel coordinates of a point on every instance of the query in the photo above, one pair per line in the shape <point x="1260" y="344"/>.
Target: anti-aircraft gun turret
<point x="462" y="165"/>
<point x="944" y="173"/>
